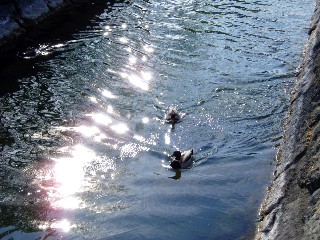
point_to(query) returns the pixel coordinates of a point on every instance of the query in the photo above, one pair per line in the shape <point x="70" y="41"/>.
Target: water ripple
<point x="83" y="141"/>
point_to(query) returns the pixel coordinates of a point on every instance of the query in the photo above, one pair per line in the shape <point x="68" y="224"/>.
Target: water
<point x="84" y="145"/>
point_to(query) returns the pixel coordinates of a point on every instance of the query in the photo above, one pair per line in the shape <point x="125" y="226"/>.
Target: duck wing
<point x="186" y="155"/>
<point x="186" y="158"/>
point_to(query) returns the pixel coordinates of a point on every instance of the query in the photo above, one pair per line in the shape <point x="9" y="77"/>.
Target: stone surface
<point x="53" y="4"/>
<point x="291" y="206"/>
<point x="32" y="9"/>
<point x="17" y="16"/>
<point x="8" y="23"/>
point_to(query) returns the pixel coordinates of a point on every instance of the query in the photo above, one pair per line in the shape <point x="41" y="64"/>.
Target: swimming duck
<point x="182" y="159"/>
<point x="173" y="116"/>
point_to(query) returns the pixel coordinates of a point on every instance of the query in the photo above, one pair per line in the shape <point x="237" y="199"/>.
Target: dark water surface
<point x="84" y="148"/>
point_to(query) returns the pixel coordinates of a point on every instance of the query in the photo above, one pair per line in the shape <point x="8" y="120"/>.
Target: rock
<point x="312" y="181"/>
<point x="8" y="24"/>
<point x="291" y="206"/>
<point x="311" y="218"/>
<point x="54" y="4"/>
<point x="17" y="16"/>
<point x="32" y="9"/>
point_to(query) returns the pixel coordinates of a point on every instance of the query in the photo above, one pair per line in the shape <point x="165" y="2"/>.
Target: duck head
<point x="177" y="155"/>
<point x="173" y="115"/>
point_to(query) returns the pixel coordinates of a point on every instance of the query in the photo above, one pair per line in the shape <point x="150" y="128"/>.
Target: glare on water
<point x="84" y="143"/>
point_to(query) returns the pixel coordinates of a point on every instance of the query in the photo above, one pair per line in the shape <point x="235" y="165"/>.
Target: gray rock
<point x="291" y="206"/>
<point x="18" y="15"/>
<point x="312" y="181"/>
<point x="8" y="23"/>
<point x="54" y="4"/>
<point x="32" y="9"/>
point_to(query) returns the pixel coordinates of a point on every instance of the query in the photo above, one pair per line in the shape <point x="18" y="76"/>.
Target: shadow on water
<point x="177" y="175"/>
<point x="19" y="58"/>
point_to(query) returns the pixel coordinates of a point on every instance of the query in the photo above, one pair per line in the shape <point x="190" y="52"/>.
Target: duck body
<point x="173" y="116"/>
<point x="182" y="159"/>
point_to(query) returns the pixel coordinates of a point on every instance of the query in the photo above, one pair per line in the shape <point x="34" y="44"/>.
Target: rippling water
<point x="84" y="145"/>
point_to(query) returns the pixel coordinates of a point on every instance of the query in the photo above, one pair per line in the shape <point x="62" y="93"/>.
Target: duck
<point x="173" y="116"/>
<point x="182" y="159"/>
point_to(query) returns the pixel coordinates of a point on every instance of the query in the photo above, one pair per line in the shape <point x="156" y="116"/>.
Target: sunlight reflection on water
<point x="89" y="134"/>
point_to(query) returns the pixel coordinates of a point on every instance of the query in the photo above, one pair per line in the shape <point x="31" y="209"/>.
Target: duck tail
<point x="191" y="151"/>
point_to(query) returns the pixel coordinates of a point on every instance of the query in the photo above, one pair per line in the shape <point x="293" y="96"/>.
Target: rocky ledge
<point x="291" y="209"/>
<point x="17" y="16"/>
